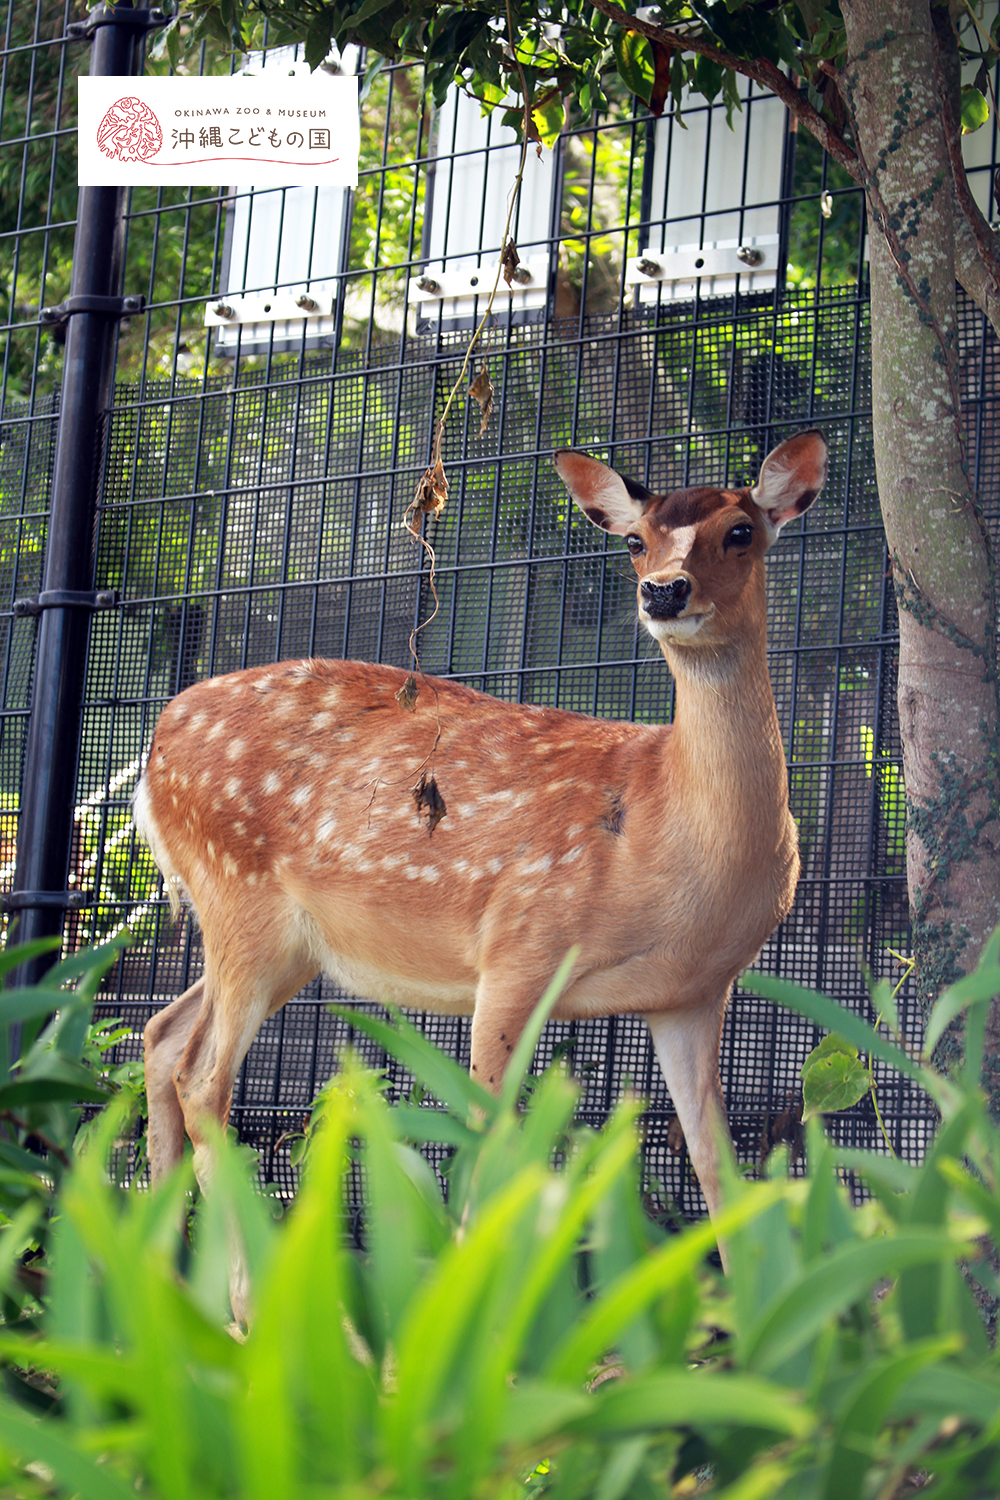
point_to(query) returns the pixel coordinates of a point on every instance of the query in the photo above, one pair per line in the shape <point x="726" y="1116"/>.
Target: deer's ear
<point x="791" y="477"/>
<point x="606" y="498"/>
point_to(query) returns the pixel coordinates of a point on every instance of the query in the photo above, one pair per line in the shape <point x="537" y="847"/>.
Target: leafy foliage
<point x="61" y="1068"/>
<point x="532" y="1334"/>
<point x="541" y="56"/>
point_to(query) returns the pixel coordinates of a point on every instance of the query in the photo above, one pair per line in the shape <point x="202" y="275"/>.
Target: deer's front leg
<point x="687" y="1046"/>
<point x="499" y="1018"/>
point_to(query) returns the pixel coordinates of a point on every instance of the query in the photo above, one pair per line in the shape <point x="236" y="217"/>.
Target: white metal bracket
<point x="674" y="273"/>
<point x="281" y="315"/>
<point x="451" y="293"/>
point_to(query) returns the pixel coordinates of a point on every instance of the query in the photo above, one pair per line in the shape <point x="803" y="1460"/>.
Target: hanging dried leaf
<point x="509" y="261"/>
<point x="675" y="1137"/>
<point x="428" y="799"/>
<point x="431" y="496"/>
<point x="481" y="391"/>
<point x="408" y="694"/>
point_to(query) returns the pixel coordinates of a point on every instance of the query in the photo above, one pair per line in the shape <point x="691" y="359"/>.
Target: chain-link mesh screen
<point x="253" y="491"/>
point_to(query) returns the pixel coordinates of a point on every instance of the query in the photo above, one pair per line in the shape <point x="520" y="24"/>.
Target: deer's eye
<point x="635" y="545"/>
<point x="740" y="536"/>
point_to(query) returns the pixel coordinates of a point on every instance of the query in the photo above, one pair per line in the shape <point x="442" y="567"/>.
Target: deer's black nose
<point x="664" y="601"/>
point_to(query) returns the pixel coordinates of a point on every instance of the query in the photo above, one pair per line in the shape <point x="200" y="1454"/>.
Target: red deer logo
<point x="130" y="131"/>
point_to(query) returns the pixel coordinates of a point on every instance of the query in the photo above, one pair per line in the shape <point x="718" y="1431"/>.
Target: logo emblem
<point x="129" y="131"/>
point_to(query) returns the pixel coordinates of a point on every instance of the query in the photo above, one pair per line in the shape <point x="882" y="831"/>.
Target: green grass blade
<point x="42" y="1442"/>
<point x="973" y="989"/>
<point x="622" y="1302"/>
<point x="833" y="1017"/>
<point x="441" y="1320"/>
<point x="686" y="1398"/>
<point x="23" y="953"/>
<point x="438" y="1073"/>
<point x="827" y="1289"/>
<point x="863" y="1411"/>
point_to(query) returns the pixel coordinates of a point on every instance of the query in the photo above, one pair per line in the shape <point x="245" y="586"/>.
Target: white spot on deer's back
<point x="229" y="865"/>
<point x="572" y="855"/>
<point x="198" y="720"/>
<point x="232" y="786"/>
<point x="217" y="728"/>
<point x="325" y="829"/>
<point x="271" y="783"/>
<point x="302" y="795"/>
<point x="321" y="720"/>
<point x="235" y="749"/>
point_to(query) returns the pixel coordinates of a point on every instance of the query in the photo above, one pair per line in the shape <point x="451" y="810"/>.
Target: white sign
<point x="259" y="131"/>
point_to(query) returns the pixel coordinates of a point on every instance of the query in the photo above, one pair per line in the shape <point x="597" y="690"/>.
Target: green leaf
<point x="368" y="8"/>
<point x="318" y="39"/>
<point x="833" y="1079"/>
<point x="634" y="58"/>
<point x="975" y="109"/>
<point x="549" y="120"/>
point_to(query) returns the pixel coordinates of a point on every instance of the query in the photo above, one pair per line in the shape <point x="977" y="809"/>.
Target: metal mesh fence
<point x="253" y="487"/>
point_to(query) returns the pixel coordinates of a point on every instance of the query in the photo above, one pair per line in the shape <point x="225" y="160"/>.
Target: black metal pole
<point x="40" y="897"/>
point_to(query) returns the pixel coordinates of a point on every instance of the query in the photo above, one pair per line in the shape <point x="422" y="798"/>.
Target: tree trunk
<point x="940" y="555"/>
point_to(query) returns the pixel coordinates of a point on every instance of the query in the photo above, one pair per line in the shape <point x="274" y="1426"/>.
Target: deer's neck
<point x="726" y="741"/>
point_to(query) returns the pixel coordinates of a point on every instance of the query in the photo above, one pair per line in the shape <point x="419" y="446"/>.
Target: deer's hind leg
<point x="235" y="1005"/>
<point x="164" y="1040"/>
<point x="248" y="984"/>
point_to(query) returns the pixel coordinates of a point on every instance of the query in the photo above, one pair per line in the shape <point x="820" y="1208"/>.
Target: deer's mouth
<point x="680" y="627"/>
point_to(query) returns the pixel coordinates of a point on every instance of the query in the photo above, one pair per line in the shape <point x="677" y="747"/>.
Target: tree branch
<point x="978" y="268"/>
<point x="760" y="69"/>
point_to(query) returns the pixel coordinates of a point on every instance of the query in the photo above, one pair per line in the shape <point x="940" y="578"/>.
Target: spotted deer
<point x="280" y="801"/>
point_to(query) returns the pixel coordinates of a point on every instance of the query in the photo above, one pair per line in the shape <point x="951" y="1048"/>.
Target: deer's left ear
<point x="791" y="477"/>
<point x="605" y="497"/>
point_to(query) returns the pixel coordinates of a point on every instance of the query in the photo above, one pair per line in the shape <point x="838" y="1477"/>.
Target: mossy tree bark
<point x="896" y="77"/>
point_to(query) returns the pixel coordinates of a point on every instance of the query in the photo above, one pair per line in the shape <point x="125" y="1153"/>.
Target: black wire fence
<point x="254" y="474"/>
